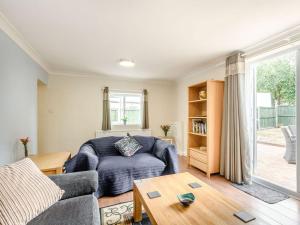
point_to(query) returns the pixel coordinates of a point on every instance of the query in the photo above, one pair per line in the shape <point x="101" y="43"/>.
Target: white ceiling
<point x="166" y="38"/>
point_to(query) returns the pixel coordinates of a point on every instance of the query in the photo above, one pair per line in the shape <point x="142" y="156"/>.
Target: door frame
<point x="298" y="118"/>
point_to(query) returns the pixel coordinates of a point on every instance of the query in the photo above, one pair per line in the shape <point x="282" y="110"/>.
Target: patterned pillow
<point x="127" y="146"/>
<point x="25" y="192"/>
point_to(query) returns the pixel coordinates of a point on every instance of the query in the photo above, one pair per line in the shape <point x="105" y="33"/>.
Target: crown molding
<point x="113" y="77"/>
<point x="204" y="68"/>
<point x="285" y="39"/>
<point x="17" y="37"/>
<point x="13" y="34"/>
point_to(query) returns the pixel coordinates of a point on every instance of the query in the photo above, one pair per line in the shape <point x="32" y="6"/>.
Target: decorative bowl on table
<point x="186" y="199"/>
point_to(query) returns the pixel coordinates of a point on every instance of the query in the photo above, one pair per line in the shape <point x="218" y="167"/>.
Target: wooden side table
<point x="51" y="163"/>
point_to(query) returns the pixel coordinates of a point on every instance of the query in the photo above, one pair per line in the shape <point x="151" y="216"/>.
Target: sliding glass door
<point x="276" y="110"/>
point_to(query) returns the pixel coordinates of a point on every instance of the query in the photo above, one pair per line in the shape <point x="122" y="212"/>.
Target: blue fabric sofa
<point x="116" y="172"/>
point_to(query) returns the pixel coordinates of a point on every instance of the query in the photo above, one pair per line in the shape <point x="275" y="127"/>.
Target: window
<point x="125" y="106"/>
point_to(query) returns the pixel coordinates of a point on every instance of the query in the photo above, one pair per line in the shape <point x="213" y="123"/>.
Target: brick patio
<point x="272" y="167"/>
<point x="271" y="136"/>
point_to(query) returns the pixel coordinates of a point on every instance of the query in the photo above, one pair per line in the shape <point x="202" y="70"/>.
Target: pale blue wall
<point x="18" y="99"/>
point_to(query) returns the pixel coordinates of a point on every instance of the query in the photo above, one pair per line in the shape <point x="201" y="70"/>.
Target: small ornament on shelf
<point x="203" y="114"/>
<point x="202" y="95"/>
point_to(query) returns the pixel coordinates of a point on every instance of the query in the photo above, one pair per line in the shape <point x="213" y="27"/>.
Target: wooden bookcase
<point x="206" y="116"/>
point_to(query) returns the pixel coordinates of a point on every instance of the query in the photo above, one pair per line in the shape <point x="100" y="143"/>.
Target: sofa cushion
<point x="104" y="146"/>
<point x="147" y="142"/>
<point x="25" y="192"/>
<point x="117" y="173"/>
<point x="127" y="146"/>
<point x="83" y="210"/>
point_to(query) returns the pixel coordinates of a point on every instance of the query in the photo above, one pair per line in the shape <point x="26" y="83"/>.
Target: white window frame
<point x="120" y="124"/>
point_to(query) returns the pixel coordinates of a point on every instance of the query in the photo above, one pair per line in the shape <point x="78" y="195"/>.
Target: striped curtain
<point x="235" y="162"/>
<point x="106" y="125"/>
<point x="145" y="115"/>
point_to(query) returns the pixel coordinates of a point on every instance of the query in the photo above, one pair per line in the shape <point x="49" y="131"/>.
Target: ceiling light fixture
<point x="126" y="63"/>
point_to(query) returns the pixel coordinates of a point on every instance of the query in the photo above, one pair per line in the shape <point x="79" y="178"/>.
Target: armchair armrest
<point x="76" y="184"/>
<point x="168" y="154"/>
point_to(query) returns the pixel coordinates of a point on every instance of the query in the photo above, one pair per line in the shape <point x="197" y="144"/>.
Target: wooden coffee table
<point x="210" y="206"/>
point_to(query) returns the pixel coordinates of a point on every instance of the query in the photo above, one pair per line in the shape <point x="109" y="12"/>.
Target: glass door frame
<point x="251" y="70"/>
<point x="298" y="118"/>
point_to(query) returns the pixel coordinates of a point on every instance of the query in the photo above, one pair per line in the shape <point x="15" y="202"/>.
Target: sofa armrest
<point x="168" y="154"/>
<point x="76" y="184"/>
<point x="85" y="160"/>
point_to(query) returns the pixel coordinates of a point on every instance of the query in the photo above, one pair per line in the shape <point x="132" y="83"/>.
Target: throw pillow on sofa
<point x="127" y="146"/>
<point x="25" y="192"/>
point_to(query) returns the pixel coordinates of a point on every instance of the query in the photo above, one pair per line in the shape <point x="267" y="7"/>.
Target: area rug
<point x="261" y="192"/>
<point x="121" y="214"/>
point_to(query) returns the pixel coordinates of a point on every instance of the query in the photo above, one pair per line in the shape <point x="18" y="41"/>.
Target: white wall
<point x="18" y="99"/>
<point x="70" y="108"/>
<point x="216" y="73"/>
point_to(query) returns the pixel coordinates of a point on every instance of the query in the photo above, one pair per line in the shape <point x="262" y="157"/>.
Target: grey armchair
<point x="78" y="205"/>
<point x="292" y="130"/>
<point x="290" y="141"/>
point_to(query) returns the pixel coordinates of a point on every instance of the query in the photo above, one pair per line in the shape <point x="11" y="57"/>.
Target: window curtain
<point x="106" y="125"/>
<point x="145" y="115"/>
<point x="235" y="162"/>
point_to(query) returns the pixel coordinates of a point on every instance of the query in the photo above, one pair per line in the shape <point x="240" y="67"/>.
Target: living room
<point x="160" y="112"/>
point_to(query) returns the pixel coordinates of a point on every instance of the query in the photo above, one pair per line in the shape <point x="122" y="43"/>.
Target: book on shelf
<point x="199" y="126"/>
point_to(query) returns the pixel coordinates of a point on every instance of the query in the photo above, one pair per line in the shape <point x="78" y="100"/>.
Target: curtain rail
<point x="124" y="90"/>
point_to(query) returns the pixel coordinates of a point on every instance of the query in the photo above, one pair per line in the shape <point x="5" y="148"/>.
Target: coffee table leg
<point x="137" y="206"/>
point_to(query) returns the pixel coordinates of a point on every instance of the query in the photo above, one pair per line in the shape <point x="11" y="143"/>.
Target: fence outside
<point x="271" y="117"/>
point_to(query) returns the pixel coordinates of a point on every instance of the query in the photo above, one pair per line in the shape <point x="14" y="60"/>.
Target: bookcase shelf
<point x="198" y="134"/>
<point x="197" y="117"/>
<point x="198" y="100"/>
<point x="205" y="115"/>
<point x="197" y="149"/>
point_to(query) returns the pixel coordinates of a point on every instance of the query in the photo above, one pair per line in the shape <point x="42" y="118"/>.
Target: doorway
<point x="275" y="158"/>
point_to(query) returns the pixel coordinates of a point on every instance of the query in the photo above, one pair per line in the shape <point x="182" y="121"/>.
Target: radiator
<point x="141" y="132"/>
